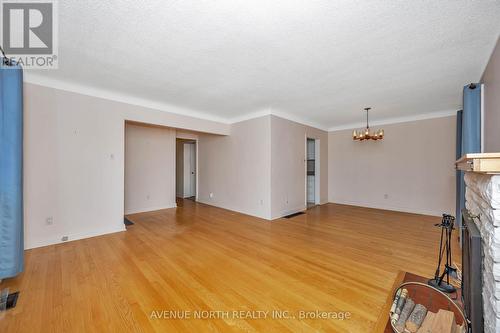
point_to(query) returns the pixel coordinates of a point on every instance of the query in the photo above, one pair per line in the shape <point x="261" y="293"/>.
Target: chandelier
<point x="366" y="134"/>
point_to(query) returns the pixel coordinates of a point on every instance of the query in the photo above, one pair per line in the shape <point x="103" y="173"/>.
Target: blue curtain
<point x="460" y="174"/>
<point x="11" y="170"/>
<point x="471" y="119"/>
<point x="470" y="135"/>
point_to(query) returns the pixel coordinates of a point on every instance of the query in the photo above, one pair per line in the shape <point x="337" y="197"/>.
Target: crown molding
<point x="273" y="112"/>
<point x="32" y="78"/>
<point x="250" y="116"/>
<point x="298" y="119"/>
<point x="395" y="120"/>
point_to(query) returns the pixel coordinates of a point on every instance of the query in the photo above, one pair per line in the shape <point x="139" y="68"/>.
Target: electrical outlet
<point x="211" y="195"/>
<point x="64" y="238"/>
<point x="49" y="220"/>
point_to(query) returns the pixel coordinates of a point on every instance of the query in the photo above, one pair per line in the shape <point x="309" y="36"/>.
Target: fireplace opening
<point x="472" y="265"/>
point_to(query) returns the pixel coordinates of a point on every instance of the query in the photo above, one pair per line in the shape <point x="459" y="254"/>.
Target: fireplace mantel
<point x="488" y="163"/>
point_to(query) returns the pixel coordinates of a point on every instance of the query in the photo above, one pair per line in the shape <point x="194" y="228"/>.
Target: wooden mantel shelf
<point x="483" y="163"/>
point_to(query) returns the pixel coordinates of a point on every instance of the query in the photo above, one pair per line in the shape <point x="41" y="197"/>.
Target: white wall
<point x="491" y="80"/>
<point x="74" y="161"/>
<point x="413" y="165"/>
<point x="149" y="168"/>
<point x="260" y="168"/>
<point x="236" y="168"/>
<point x="288" y="152"/>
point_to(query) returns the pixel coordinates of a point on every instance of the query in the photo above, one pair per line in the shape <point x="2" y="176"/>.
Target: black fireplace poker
<point x="441" y="281"/>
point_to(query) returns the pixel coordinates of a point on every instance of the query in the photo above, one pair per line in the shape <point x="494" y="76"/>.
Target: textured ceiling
<point x="321" y="61"/>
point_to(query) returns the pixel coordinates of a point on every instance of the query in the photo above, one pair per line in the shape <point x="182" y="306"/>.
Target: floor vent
<point x="127" y="222"/>
<point x="293" y="215"/>
<point x="9" y="301"/>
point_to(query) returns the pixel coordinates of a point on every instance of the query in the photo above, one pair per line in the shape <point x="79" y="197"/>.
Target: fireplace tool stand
<point x="441" y="281"/>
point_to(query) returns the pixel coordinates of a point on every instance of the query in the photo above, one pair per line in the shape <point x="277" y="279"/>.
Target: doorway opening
<point x="185" y="174"/>
<point x="149" y="169"/>
<point x="312" y="172"/>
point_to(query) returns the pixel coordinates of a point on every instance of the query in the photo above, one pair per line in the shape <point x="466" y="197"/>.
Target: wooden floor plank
<point x="335" y="258"/>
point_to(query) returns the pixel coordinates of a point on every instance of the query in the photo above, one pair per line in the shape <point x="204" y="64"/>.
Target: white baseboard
<point x="214" y="204"/>
<point x="390" y="207"/>
<point x="150" y="209"/>
<point x="289" y="212"/>
<point x="71" y="237"/>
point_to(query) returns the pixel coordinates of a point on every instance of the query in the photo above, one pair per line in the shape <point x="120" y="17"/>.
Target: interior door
<point x="192" y="171"/>
<point x="189" y="170"/>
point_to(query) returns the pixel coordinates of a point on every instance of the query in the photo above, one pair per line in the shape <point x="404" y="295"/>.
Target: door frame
<point x="196" y="142"/>
<point x="189" y="154"/>
<point x="317" y="170"/>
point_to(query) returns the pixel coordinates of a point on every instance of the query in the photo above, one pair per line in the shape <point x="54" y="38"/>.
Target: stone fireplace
<point x="483" y="204"/>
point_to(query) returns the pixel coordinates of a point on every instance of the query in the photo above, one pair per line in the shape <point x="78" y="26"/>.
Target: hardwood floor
<point x="335" y="258"/>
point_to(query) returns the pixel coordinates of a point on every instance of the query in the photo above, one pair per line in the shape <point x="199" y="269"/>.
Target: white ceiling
<point x="316" y="61"/>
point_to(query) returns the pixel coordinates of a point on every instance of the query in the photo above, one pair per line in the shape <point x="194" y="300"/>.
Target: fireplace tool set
<point x="441" y="281"/>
